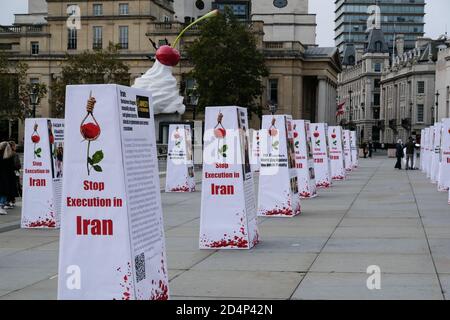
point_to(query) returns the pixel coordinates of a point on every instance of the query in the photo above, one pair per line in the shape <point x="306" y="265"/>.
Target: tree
<point x="15" y="89"/>
<point x="228" y="67"/>
<point x="88" y="67"/>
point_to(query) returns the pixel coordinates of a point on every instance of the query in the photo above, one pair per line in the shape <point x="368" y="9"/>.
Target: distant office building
<point x="397" y="17"/>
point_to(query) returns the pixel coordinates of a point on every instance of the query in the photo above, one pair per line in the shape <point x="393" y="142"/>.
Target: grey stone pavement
<point x="393" y="219"/>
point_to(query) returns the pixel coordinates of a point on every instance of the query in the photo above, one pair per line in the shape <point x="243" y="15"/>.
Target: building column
<point x="321" y="113"/>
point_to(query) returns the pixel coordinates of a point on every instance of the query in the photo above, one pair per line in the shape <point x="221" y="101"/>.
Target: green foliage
<point x="89" y="67"/>
<point x="15" y="89"/>
<point x="228" y="67"/>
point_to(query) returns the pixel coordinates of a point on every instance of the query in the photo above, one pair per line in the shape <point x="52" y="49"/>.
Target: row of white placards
<point x="295" y="158"/>
<point x="112" y="243"/>
<point x="435" y="154"/>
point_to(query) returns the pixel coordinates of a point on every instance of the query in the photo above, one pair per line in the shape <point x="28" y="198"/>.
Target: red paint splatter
<point x="323" y="185"/>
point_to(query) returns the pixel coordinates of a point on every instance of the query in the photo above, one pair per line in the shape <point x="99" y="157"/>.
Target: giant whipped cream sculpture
<point x="160" y="80"/>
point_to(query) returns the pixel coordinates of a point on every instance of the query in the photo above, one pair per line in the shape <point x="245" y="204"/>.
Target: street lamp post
<point x="272" y="107"/>
<point x="351" y="111"/>
<point x="34" y="99"/>
<point x="410" y="118"/>
<point x="436" y="113"/>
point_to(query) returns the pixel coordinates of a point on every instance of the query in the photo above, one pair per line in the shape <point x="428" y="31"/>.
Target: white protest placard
<point x="425" y="150"/>
<point x="354" y="149"/>
<point x="436" y="153"/>
<point x="228" y="208"/>
<point x="278" y="182"/>
<point x="320" y="154"/>
<point x="180" y="161"/>
<point x="336" y="153"/>
<point x="304" y="161"/>
<point x="112" y="237"/>
<point x="42" y="173"/>
<point x="422" y="149"/>
<point x="346" y="141"/>
<point x="430" y="152"/>
<point x="444" y="168"/>
<point x="255" y="149"/>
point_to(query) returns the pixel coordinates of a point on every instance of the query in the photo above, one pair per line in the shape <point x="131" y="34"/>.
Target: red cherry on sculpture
<point x="168" y="56"/>
<point x="316" y="134"/>
<point x="35" y="139"/>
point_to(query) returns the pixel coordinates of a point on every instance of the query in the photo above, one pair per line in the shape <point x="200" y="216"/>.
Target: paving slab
<point x="257" y="261"/>
<point x="238" y="284"/>
<point x="352" y="286"/>
<point x="359" y="262"/>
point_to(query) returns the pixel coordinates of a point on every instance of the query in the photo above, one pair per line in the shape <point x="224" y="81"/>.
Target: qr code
<point x="139" y="263"/>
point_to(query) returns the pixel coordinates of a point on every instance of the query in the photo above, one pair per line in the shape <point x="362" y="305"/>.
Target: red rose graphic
<point x="90" y="131"/>
<point x="35" y="139"/>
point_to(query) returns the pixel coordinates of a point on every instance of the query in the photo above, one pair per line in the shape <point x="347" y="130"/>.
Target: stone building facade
<point x="359" y="86"/>
<point x="408" y="94"/>
<point x="443" y="82"/>
<point x="302" y="80"/>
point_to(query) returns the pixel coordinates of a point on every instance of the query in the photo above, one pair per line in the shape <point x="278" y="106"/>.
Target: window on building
<point x="123" y="37"/>
<point x="97" y="9"/>
<point x="71" y="39"/>
<point x="420" y="87"/>
<point x="376" y="99"/>
<point x="351" y="60"/>
<point x="273" y="90"/>
<point x="34" y="47"/>
<point x="123" y="9"/>
<point x="377" y="67"/>
<point x="377" y="83"/>
<point x="97" y="38"/>
<point x="420" y="113"/>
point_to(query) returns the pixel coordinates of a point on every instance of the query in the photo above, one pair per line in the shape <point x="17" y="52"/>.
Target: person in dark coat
<point x="410" y="149"/>
<point x="399" y="154"/>
<point x="8" y="187"/>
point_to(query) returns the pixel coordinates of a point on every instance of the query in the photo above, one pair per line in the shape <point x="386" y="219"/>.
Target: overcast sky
<point x="437" y="17"/>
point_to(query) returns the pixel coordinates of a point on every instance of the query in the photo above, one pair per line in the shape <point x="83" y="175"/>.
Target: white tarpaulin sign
<point x="112" y="237"/>
<point x="228" y="209"/>
<point x="255" y="149"/>
<point x="304" y="162"/>
<point x="422" y="149"/>
<point x="278" y="182"/>
<point x="320" y="154"/>
<point x="444" y="170"/>
<point x="426" y="137"/>
<point x="42" y="174"/>
<point x="354" y="148"/>
<point x="346" y="141"/>
<point x="180" y="161"/>
<point x="336" y="151"/>
<point x="436" y="153"/>
<point x="430" y="151"/>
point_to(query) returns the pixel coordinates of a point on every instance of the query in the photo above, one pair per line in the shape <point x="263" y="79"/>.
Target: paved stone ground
<point x="396" y="220"/>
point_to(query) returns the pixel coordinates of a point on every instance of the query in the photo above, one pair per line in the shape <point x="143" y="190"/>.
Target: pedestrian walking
<point x="17" y="167"/>
<point x="410" y="149"/>
<point x="365" y="151"/>
<point x="370" y="149"/>
<point x="8" y="188"/>
<point x="399" y="154"/>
